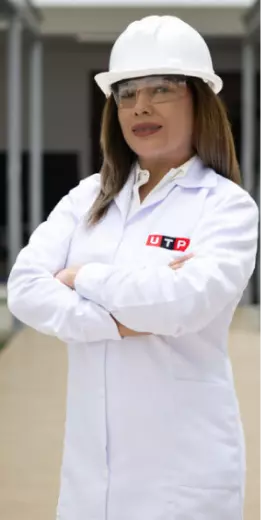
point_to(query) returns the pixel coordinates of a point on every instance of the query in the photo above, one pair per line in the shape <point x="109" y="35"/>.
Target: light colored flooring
<point x="32" y="410"/>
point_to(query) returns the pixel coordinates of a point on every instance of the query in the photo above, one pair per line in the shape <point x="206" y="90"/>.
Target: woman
<point x="153" y="428"/>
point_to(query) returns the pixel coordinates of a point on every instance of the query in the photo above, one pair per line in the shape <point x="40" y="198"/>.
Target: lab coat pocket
<point x="207" y="504"/>
<point x="207" y="436"/>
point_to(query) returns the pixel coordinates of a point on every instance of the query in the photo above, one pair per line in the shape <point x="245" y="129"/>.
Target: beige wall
<point x="105" y="24"/>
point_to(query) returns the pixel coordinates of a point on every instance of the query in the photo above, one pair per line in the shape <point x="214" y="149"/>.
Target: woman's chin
<point x="149" y="152"/>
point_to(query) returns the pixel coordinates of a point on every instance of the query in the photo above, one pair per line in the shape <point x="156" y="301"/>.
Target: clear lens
<point x="157" y="89"/>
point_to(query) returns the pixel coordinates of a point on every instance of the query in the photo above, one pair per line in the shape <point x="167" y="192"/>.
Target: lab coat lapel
<point x="197" y="176"/>
<point x="123" y="199"/>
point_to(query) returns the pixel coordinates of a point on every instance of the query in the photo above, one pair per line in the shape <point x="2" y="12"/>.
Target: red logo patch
<point x="172" y="243"/>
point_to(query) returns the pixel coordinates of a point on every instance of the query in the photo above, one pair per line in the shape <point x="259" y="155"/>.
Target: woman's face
<point x="156" y="117"/>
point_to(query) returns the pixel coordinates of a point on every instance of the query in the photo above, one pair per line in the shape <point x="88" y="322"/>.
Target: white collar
<point x="199" y="176"/>
<point x="142" y="176"/>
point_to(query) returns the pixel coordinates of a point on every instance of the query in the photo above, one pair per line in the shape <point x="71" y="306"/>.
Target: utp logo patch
<point x="174" y="244"/>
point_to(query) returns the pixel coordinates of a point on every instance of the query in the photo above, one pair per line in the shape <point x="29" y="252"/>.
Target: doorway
<point x="60" y="175"/>
<point x="96" y="104"/>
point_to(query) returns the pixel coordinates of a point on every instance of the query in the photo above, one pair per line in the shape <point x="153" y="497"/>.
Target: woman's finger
<point x="180" y="260"/>
<point x="176" y="267"/>
<point x="62" y="276"/>
<point x="59" y="275"/>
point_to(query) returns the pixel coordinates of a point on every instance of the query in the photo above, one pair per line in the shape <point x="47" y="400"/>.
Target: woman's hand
<point x="67" y="276"/>
<point x="179" y="262"/>
<point x="125" y="332"/>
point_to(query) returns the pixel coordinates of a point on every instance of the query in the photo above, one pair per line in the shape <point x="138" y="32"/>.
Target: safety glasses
<point x="157" y="89"/>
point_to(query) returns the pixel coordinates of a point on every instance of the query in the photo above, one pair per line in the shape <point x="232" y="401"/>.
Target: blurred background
<point x="50" y="113"/>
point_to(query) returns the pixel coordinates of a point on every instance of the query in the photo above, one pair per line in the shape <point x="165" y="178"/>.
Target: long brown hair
<point x="212" y="141"/>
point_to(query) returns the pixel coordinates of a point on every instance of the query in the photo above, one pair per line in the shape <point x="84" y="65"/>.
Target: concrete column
<point x="259" y="205"/>
<point x="14" y="194"/>
<point x="248" y="115"/>
<point x="248" y="132"/>
<point x="35" y="137"/>
<point x="85" y="158"/>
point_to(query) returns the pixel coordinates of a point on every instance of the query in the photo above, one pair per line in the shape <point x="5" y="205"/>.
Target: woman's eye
<point x="161" y="90"/>
<point x="127" y="94"/>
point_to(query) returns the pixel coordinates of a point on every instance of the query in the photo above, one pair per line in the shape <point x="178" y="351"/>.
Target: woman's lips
<point x="146" y="129"/>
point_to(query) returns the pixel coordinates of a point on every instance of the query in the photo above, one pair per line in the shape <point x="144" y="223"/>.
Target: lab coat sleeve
<point x="162" y="301"/>
<point x="39" y="300"/>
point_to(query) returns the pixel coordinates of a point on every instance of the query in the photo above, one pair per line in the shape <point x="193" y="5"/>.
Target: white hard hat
<point x="159" y="45"/>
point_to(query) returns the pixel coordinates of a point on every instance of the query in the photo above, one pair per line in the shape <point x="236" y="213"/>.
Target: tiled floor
<point x="32" y="407"/>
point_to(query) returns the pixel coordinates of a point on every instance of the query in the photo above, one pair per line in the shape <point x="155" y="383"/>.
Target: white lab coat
<point x="153" y="429"/>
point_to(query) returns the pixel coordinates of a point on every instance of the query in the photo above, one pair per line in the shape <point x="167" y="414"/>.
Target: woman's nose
<point x="143" y="102"/>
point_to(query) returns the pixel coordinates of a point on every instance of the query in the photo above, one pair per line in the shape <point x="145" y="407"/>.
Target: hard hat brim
<point x="105" y="79"/>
